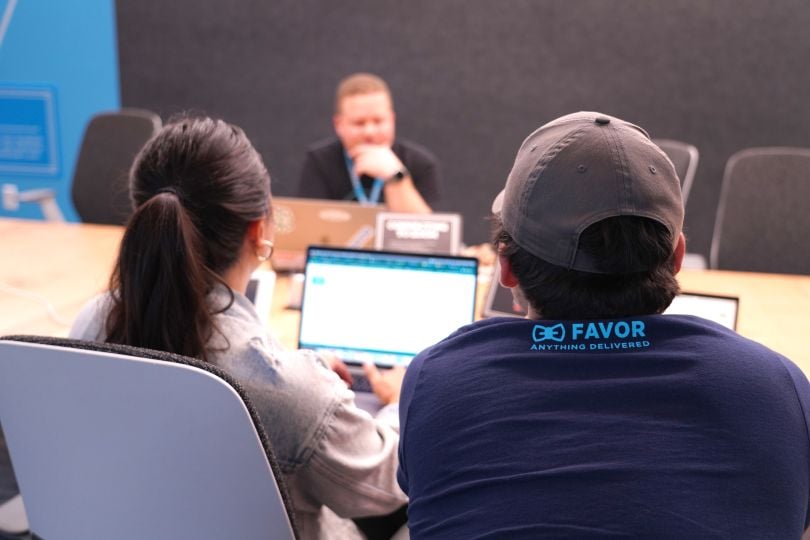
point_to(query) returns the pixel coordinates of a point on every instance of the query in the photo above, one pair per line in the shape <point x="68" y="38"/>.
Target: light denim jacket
<point x="338" y="459"/>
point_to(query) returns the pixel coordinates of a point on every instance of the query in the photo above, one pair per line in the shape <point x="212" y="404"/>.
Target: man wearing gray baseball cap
<point x="596" y="416"/>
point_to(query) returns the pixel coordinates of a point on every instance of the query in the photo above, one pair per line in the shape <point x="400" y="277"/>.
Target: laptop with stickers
<point x="301" y="223"/>
<point x="383" y="307"/>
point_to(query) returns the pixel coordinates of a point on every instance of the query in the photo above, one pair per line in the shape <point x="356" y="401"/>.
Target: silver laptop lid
<point x="720" y="309"/>
<point x="300" y="223"/>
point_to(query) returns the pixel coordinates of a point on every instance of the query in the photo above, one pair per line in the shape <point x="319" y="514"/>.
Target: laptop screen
<point x="383" y="307"/>
<point x="720" y="309"/>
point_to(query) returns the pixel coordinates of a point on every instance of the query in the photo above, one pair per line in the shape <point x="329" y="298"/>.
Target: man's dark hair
<point x="616" y="243"/>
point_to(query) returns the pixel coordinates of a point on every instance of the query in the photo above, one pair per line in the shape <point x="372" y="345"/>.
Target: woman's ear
<point x="255" y="231"/>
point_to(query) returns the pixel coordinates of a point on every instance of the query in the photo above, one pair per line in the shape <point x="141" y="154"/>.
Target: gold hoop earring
<point x="264" y="244"/>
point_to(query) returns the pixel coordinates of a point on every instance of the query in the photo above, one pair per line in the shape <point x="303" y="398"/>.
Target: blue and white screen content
<point x="383" y="307"/>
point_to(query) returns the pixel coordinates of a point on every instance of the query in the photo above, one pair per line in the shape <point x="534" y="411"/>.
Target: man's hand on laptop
<point x="386" y="383"/>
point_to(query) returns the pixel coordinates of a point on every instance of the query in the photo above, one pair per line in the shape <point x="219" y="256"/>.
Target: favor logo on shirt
<point x="590" y="336"/>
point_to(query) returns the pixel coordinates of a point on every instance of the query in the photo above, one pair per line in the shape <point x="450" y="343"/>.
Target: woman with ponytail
<point x="202" y="222"/>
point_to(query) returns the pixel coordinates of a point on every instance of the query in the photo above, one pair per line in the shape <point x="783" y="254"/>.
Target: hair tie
<point x="170" y="189"/>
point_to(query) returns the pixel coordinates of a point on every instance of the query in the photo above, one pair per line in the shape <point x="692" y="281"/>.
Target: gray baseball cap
<point x="579" y="169"/>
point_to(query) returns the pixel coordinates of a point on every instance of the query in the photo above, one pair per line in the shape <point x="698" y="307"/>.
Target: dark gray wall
<point x="471" y="78"/>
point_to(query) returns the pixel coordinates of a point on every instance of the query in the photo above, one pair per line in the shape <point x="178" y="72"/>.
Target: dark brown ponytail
<point x="195" y="188"/>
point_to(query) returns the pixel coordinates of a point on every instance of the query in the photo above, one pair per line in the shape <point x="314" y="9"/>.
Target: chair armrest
<point x="46" y="198"/>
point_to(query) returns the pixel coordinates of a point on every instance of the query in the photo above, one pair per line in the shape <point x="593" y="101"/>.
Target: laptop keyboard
<point x="360" y="383"/>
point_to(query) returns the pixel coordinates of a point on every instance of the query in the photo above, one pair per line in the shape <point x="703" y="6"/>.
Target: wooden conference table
<point x="63" y="265"/>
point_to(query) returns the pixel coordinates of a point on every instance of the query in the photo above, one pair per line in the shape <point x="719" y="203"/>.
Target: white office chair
<point x="109" y="441"/>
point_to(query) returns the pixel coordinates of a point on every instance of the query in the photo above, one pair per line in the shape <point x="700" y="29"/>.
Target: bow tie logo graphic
<point x="552" y="333"/>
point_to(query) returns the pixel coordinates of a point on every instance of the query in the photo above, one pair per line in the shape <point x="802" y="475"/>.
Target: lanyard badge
<point x="359" y="192"/>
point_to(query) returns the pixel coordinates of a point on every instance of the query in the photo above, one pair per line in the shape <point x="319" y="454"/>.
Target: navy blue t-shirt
<point x="653" y="427"/>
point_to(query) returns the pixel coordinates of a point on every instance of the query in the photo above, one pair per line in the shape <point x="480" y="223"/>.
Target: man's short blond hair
<point x="357" y="84"/>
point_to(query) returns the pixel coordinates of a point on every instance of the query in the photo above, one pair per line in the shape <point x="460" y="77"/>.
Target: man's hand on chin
<point x="375" y="160"/>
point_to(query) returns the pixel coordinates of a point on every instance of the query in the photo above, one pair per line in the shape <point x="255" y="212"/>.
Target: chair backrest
<point x="110" y="441"/>
<point x="111" y="140"/>
<point x="763" y="218"/>
<point x="684" y="157"/>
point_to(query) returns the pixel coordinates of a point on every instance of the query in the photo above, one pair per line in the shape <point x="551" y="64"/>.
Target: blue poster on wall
<point x="28" y="131"/>
<point x="58" y="67"/>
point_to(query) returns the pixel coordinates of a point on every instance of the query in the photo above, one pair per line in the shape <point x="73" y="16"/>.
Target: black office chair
<point x="111" y="139"/>
<point x="110" y="441"/>
<point x="684" y="157"/>
<point x="99" y="190"/>
<point x="763" y="218"/>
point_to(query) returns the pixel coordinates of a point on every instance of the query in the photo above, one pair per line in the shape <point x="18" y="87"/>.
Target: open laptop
<point x="720" y="309"/>
<point x="301" y="223"/>
<point x="383" y="307"/>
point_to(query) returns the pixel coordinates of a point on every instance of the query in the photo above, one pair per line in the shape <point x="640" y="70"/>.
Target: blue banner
<point x="58" y="67"/>
<point x="28" y="131"/>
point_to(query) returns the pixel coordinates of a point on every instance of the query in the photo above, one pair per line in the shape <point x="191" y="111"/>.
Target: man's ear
<point x="506" y="277"/>
<point x="680" y="251"/>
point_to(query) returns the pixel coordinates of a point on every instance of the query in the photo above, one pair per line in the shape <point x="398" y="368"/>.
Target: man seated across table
<point x="365" y="163"/>
<point x="596" y="416"/>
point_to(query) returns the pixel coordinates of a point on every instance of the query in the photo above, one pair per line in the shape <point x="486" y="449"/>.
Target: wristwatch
<point x="398" y="176"/>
